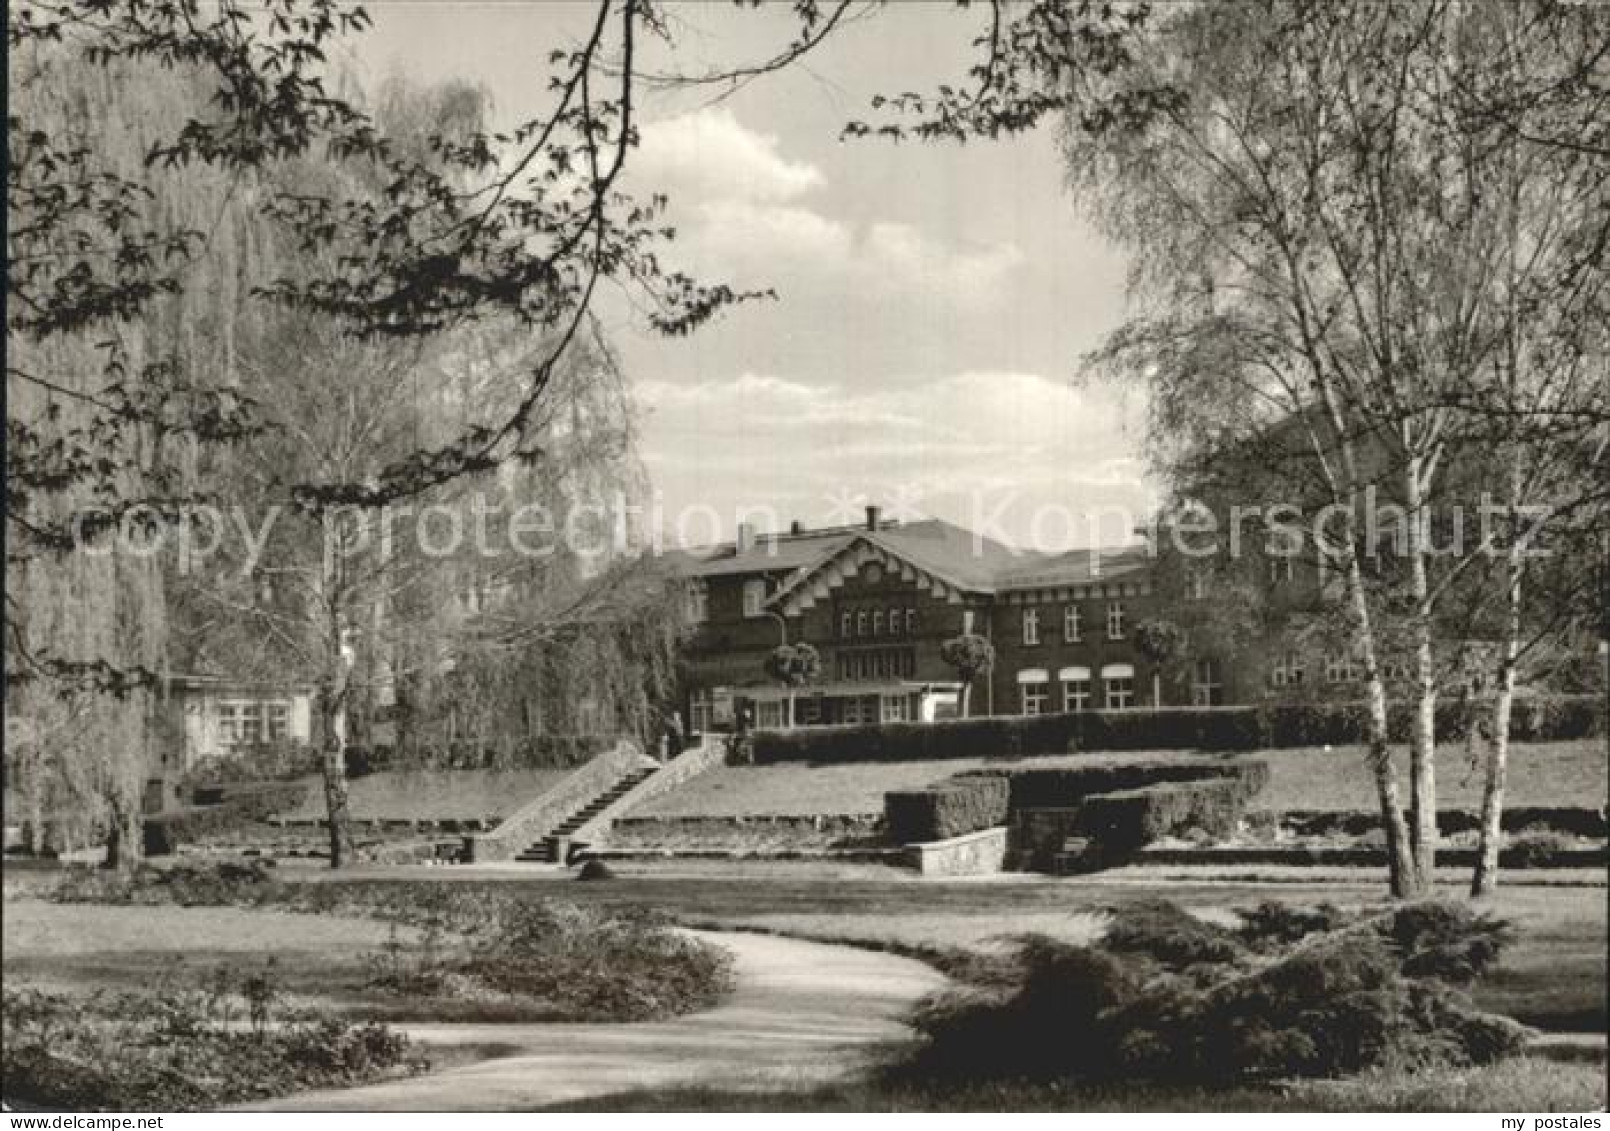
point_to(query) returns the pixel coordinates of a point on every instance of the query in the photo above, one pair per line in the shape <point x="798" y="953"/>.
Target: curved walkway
<point x="801" y="1013"/>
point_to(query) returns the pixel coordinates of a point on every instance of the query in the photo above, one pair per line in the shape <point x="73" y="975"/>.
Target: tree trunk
<point x="334" y="764"/>
<point x="965" y="697"/>
<point x="1404" y="876"/>
<point x="123" y="843"/>
<point x="1423" y="722"/>
<point x="1485" y="879"/>
<point x="1157" y="690"/>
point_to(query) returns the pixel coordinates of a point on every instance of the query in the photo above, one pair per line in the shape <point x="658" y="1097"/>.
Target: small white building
<point x="217" y="717"/>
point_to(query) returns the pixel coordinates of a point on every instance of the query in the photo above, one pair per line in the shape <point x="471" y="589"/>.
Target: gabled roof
<point x="937" y="555"/>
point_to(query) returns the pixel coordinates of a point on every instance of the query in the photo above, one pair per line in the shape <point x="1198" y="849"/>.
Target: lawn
<point x="1540" y="774"/>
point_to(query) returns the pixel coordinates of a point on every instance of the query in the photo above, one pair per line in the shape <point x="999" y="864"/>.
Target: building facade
<point x="877" y="601"/>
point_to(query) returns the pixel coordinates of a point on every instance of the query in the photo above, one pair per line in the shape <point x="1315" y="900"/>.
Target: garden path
<point x="800" y="1013"/>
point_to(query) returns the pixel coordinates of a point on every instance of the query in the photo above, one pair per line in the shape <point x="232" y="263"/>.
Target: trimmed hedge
<point x="1068" y="786"/>
<point x="1130" y="819"/>
<point x="952" y="808"/>
<point x="1267" y="725"/>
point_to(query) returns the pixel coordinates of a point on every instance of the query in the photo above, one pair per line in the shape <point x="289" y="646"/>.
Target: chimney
<point x="872" y="516"/>
<point x="746" y="538"/>
<point x="796" y="527"/>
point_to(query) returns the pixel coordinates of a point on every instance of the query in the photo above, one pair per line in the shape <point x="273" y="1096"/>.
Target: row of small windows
<point x="1073" y="623"/>
<point x="877" y="663"/>
<point x="877" y="622"/>
<point x="1117" y="688"/>
<point x="247" y="722"/>
<point x="1341" y="667"/>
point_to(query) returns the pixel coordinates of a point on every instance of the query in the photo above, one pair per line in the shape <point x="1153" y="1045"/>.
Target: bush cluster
<point x="1260" y="726"/>
<point x="228" y="1040"/>
<point x="219" y="809"/>
<point x="952" y="808"/>
<point x="1168" y="998"/>
<point x="1126" y="820"/>
<point x="213" y="883"/>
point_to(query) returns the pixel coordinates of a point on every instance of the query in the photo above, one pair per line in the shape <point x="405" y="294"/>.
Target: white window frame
<point x="1075" y="683"/>
<point x="1282" y="568"/>
<point x="967" y="622"/>
<point x="1196" y="585"/>
<point x="1072" y="624"/>
<point x="1031" y="627"/>
<point x="846" y="621"/>
<point x="701" y="712"/>
<point x="895" y="708"/>
<point x="1115" y="620"/>
<point x="911" y="622"/>
<point x="1287" y="671"/>
<point x="754" y="597"/>
<point x="1034" y="690"/>
<point x="1207" y="683"/>
<point x="698" y="602"/>
<point x="1341" y="667"/>
<point x="772" y="708"/>
<point x="877" y="622"/>
<point x="277" y="720"/>
<point x="1118" y="687"/>
<point x="860" y="622"/>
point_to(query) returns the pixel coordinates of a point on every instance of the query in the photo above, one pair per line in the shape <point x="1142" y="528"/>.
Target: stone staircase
<point x="553" y="848"/>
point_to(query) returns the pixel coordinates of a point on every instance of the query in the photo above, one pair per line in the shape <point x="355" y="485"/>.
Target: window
<point x="1340" y="667"/>
<point x="896" y="708"/>
<point x="279" y="721"/>
<point x="894" y="622"/>
<point x="1033" y="685"/>
<point x="1280" y="568"/>
<point x="1118" y="686"/>
<point x="1287" y="671"/>
<point x="229" y="723"/>
<point x="967" y="622"/>
<point x="1196" y="585"/>
<point x="1115" y="620"/>
<point x="1207" y="684"/>
<point x="771" y="713"/>
<point x="877" y="622"/>
<point x="860" y="623"/>
<point x="1031" y="626"/>
<point x="911" y="622"/>
<point x="754" y="597"/>
<point x="1075" y="688"/>
<point x="1072" y="624"/>
<point x="700" y="712"/>
<point x="698" y="603"/>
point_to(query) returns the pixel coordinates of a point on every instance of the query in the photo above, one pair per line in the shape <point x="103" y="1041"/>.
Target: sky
<point x="933" y="301"/>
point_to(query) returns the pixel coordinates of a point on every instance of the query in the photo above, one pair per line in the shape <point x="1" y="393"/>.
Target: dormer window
<point x="754" y="597"/>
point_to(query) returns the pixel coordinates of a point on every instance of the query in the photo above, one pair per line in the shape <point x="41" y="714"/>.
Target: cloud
<point x="711" y="155"/>
<point x="737" y="201"/>
<point x="956" y="442"/>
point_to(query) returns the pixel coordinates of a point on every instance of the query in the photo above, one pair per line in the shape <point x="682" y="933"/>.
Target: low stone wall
<point x="972" y="854"/>
<point x="746" y="834"/>
<point x="544" y="813"/>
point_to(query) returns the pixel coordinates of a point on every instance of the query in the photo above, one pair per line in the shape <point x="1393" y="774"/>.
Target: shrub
<point x="1271" y="924"/>
<point x="1168" y="999"/>
<point x="184" y="1048"/>
<point x="1448" y="941"/>
<point x="1070" y="785"/>
<point x="952" y="808"/>
<point x="1170" y="936"/>
<point x="213" y="883"/>
<point x="256" y="800"/>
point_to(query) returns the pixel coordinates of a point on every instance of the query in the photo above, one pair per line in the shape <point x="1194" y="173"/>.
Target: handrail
<point x="550" y="809"/>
